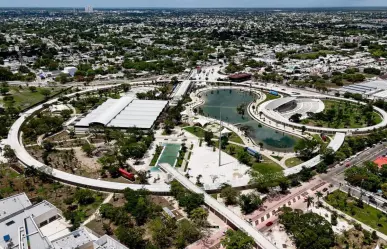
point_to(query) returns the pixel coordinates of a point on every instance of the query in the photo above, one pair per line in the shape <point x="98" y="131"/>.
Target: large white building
<point x="180" y="91"/>
<point x="123" y="113"/>
<point x="89" y="9"/>
<point x="41" y="226"/>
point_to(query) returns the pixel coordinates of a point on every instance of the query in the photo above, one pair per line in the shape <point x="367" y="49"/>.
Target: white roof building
<point x="124" y="113"/>
<point x="180" y="91"/>
<point x="23" y="225"/>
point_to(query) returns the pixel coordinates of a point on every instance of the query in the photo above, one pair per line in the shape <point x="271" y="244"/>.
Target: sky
<point x="191" y="3"/>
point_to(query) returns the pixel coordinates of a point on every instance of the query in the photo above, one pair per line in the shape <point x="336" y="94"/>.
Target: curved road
<point x="26" y="159"/>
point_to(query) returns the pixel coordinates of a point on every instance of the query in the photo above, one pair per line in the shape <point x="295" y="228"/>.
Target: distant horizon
<point x="188" y="7"/>
<point x="194" y="4"/>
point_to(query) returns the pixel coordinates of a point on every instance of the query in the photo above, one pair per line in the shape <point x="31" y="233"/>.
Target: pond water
<point x="225" y="102"/>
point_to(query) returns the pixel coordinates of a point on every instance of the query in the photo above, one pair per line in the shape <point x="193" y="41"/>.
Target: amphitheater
<point x="286" y="107"/>
<point x="276" y="113"/>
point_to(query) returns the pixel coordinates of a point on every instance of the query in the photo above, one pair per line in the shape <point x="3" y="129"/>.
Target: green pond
<point x="224" y="102"/>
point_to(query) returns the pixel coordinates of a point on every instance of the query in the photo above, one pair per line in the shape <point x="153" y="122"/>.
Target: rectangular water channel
<point x="169" y="155"/>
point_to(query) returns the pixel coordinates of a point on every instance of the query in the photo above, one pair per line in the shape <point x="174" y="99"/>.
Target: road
<point x="336" y="176"/>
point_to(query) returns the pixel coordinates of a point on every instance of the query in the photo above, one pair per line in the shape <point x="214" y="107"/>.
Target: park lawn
<point x="194" y="130"/>
<point x="155" y="158"/>
<point x="199" y="132"/>
<point x="279" y="158"/>
<point x="352" y="111"/>
<point x="235" y="138"/>
<point x="292" y="162"/>
<point x="267" y="166"/>
<point x="24" y="98"/>
<point x="366" y="215"/>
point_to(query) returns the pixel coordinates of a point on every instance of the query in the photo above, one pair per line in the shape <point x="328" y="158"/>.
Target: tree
<point x="328" y="155"/>
<point x="88" y="149"/>
<point x="319" y="195"/>
<point x="45" y="92"/>
<point x="191" y="201"/>
<point x="142" y="176"/>
<point x="187" y="233"/>
<point x="237" y="240"/>
<point x="243" y="157"/>
<point x="250" y="202"/>
<point x="284" y="184"/>
<point x="32" y="89"/>
<point x="309" y="201"/>
<point x="229" y="194"/>
<point x="9" y="153"/>
<point x="306" y="147"/>
<point x="296" y="118"/>
<point x="66" y="114"/>
<point x="309" y="230"/>
<point x="131" y="236"/>
<point x="4" y="90"/>
<point x="208" y="136"/>
<point x="199" y="216"/>
<point x="162" y="232"/>
<point x="379" y="215"/>
<point x="84" y="196"/>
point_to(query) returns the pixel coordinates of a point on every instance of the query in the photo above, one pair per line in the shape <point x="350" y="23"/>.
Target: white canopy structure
<point x="124" y="113"/>
<point x="201" y="121"/>
<point x="225" y="131"/>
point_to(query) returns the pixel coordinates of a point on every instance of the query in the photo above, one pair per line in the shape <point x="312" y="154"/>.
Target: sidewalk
<point x="93" y="216"/>
<point x="364" y="226"/>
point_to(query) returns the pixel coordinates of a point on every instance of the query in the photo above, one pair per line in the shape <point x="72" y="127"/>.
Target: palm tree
<point x="319" y="195"/>
<point x="379" y="215"/>
<point x="309" y="201"/>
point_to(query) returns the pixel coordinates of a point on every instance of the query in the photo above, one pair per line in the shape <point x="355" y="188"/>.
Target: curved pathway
<point x="15" y="141"/>
<point x="26" y="159"/>
<point x="282" y="123"/>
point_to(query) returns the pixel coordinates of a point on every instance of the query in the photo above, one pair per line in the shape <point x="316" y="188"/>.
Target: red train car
<point x="126" y="174"/>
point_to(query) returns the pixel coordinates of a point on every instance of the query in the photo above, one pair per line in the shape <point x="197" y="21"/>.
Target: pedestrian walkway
<point x="347" y="217"/>
<point x="230" y="217"/>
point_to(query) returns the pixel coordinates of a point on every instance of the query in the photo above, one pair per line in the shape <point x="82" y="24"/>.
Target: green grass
<point x="279" y="158"/>
<point x="235" y="138"/>
<point x="352" y="110"/>
<point x="294" y="161"/>
<point x="197" y="131"/>
<point x="24" y="98"/>
<point x="269" y="97"/>
<point x="180" y="159"/>
<point x="155" y="157"/>
<point x="267" y="166"/>
<point x="367" y="215"/>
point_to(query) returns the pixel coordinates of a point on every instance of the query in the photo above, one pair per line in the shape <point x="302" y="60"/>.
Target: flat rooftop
<point x="13" y="204"/>
<point x="125" y="112"/>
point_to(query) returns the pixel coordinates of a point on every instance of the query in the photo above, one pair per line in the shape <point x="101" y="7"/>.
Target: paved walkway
<point x="93" y="216"/>
<point x="364" y="226"/>
<point x="221" y="210"/>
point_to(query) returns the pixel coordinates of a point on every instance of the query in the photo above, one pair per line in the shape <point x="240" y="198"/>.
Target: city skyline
<point x="197" y="3"/>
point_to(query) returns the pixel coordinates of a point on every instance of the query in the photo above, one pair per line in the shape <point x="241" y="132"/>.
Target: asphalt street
<point x="336" y="176"/>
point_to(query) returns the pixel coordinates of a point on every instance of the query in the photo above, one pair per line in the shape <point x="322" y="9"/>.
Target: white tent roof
<point x="184" y="113"/>
<point x="225" y="131"/>
<point x="125" y="113"/>
<point x="201" y="121"/>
